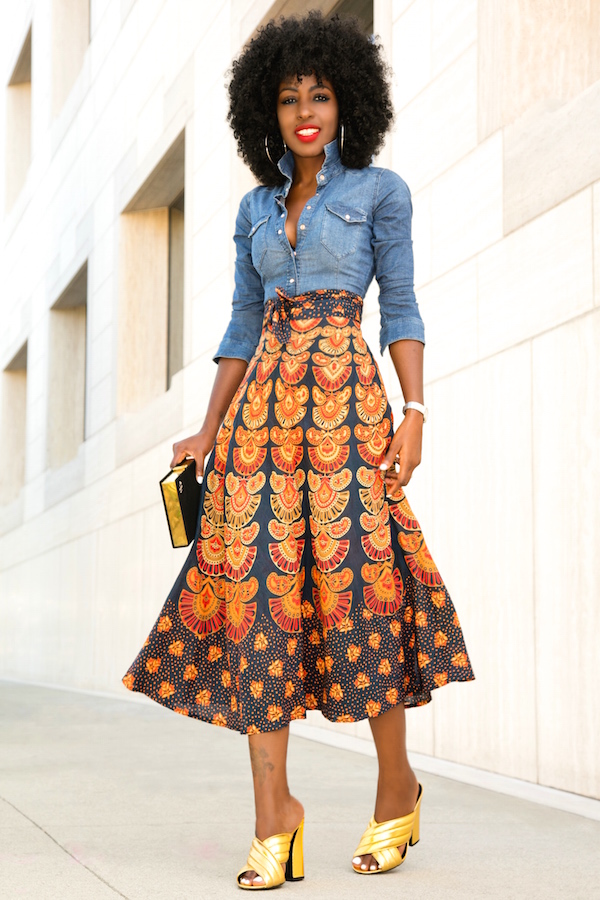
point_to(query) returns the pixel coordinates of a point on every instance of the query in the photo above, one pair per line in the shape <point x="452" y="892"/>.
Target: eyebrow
<point x="313" y="87"/>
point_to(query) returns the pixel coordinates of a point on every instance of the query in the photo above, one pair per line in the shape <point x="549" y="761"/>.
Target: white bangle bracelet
<point x="412" y="404"/>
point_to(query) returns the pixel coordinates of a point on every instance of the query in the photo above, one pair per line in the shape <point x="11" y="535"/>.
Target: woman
<point x="309" y="584"/>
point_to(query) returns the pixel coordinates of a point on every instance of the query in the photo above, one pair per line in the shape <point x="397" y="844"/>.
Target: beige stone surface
<point x="70" y="34"/>
<point x="482" y="543"/>
<point x="432" y="134"/>
<point x="596" y="241"/>
<point x="466" y="206"/>
<point x="537" y="277"/>
<point x="453" y="30"/>
<point x="449" y="309"/>
<point x="550" y="153"/>
<point x="566" y="430"/>
<point x="412" y="47"/>
<point x="551" y="52"/>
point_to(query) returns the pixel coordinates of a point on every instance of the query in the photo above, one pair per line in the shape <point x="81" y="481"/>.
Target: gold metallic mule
<point x="277" y="859"/>
<point x="382" y="839"/>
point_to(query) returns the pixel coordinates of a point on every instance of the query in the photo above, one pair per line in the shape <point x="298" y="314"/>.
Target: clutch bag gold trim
<point x="181" y="498"/>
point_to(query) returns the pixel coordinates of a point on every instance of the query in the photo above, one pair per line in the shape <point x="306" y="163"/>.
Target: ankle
<point x="275" y="818"/>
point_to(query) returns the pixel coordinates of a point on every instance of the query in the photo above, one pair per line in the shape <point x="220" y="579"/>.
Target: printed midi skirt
<point x="305" y="587"/>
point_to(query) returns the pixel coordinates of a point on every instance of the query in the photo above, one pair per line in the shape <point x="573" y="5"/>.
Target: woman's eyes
<point x="288" y="100"/>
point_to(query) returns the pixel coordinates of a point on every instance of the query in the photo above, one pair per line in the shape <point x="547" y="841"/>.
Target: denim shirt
<point x="356" y="226"/>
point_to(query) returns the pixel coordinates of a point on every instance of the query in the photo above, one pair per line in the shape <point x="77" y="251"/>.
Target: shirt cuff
<point x="235" y="349"/>
<point x="403" y="329"/>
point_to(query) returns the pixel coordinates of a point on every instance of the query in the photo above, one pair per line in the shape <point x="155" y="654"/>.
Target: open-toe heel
<point x="382" y="839"/>
<point x="278" y="858"/>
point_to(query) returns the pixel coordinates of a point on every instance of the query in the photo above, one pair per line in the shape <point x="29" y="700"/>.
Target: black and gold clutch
<point x="181" y="496"/>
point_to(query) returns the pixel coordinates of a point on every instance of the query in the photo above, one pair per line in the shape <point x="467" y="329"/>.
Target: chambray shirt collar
<point x="331" y="167"/>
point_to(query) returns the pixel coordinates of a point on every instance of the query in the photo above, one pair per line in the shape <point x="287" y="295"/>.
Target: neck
<point x="306" y="169"/>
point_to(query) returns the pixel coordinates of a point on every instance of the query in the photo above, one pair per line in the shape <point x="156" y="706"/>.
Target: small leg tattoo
<point x="259" y="760"/>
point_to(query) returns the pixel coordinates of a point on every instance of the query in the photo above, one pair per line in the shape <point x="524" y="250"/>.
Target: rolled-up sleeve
<point x="394" y="266"/>
<point x="243" y="332"/>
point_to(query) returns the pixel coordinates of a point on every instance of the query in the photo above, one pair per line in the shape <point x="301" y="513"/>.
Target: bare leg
<point x="397" y="785"/>
<point x="276" y="810"/>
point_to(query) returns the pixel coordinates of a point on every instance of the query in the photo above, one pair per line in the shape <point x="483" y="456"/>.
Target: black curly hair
<point x="332" y="48"/>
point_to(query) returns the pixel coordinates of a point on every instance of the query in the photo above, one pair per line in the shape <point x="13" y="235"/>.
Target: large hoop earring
<point x="270" y="158"/>
<point x="341" y="136"/>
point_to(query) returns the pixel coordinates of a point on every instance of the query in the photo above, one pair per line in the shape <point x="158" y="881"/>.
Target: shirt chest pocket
<point x="258" y="237"/>
<point x="342" y="228"/>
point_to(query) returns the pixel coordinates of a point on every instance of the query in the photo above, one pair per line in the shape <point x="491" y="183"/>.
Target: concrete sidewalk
<point x="106" y="798"/>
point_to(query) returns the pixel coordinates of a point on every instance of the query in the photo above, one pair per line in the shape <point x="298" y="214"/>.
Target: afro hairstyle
<point x="334" y="48"/>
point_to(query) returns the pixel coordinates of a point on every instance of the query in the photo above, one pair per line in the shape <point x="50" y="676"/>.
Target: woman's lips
<point x="307" y="133"/>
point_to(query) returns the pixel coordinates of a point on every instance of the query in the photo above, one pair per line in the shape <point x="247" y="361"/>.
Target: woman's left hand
<point x="404" y="448"/>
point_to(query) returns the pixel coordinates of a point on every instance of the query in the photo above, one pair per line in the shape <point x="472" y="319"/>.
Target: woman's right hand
<point x="197" y="445"/>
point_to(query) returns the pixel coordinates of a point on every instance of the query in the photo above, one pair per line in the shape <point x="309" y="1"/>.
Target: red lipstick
<point x="311" y="133"/>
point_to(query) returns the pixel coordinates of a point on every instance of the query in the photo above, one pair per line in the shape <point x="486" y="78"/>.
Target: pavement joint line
<point x="64" y="849"/>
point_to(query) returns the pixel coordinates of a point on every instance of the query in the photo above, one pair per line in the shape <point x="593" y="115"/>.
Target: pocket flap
<point x="258" y="224"/>
<point x="347" y="213"/>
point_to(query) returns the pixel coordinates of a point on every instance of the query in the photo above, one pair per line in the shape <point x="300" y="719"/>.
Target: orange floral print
<point x="384" y="667"/>
<point x="219" y="719"/>
<point x="455" y="621"/>
<point x="346" y="625"/>
<point x="226" y="678"/>
<point x="324" y="696"/>
<point x="252" y="729"/>
<point x="408" y="614"/>
<point x="392" y="695"/>
<point x="176" y="648"/>
<point x="321" y="666"/>
<point x="311" y="701"/>
<point x="307" y="610"/>
<point x="314" y="637"/>
<point x="395" y="628"/>
<point x="401" y="655"/>
<point x="243" y="663"/>
<point x="460" y="660"/>
<point x="291" y="646"/>
<point x="421" y="619"/>
<point x="367" y="614"/>
<point x="289" y="688"/>
<point x="345" y="717"/>
<point x="146" y="642"/>
<point x="164" y="624"/>
<point x="374" y="640"/>
<point x="274" y="712"/>
<point x="336" y="692"/>
<point x="153" y="664"/>
<point x="438" y="599"/>
<point x="441" y="678"/>
<point x="183" y="711"/>
<point x="373" y="708"/>
<point x="301" y="672"/>
<point x="353" y="652"/>
<point x="329" y="663"/>
<point x="441" y="639"/>
<point x="260" y="641"/>
<point x="423" y="659"/>
<point x="128" y="681"/>
<point x="276" y="669"/>
<point x="166" y="689"/>
<point x="191" y="672"/>
<point x="256" y="689"/>
<point x="298" y="712"/>
<point x="233" y="703"/>
<point x="362" y="681"/>
<point x="214" y="653"/>
<point x="203" y="697"/>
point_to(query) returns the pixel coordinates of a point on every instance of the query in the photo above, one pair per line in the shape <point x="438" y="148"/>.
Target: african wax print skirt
<point x="305" y="587"/>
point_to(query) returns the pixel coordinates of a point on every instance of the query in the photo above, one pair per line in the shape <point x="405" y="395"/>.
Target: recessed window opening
<point x="13" y="418"/>
<point x="150" y="347"/>
<point x="362" y="9"/>
<point x="67" y="372"/>
<point x="70" y="39"/>
<point x="18" y="124"/>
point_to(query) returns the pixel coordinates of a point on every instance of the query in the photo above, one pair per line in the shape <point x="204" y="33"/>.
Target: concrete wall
<point x="496" y="134"/>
